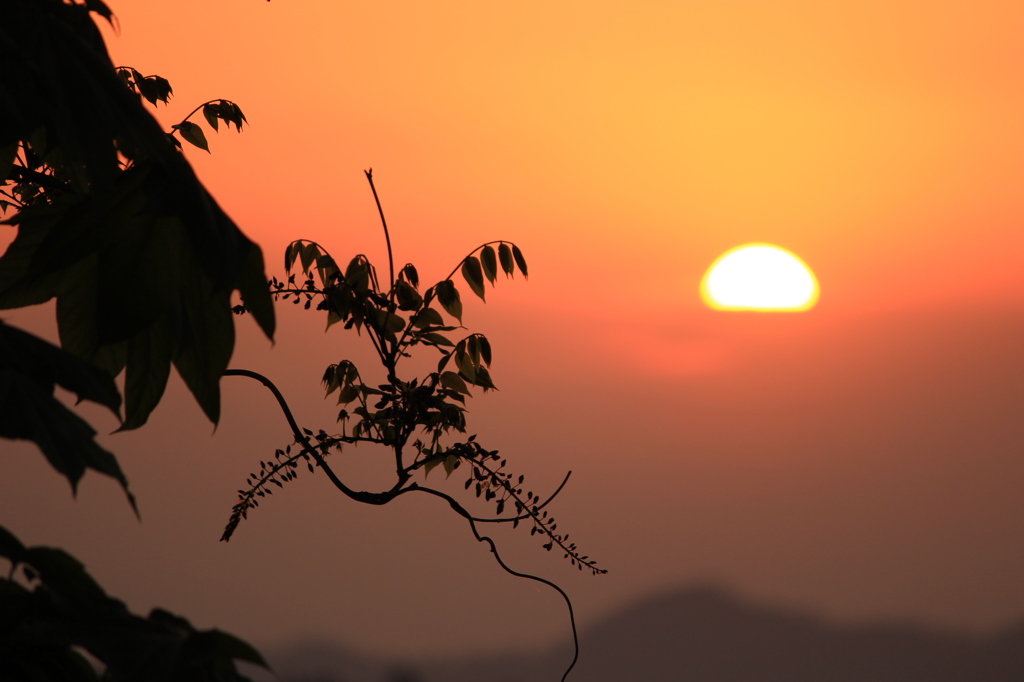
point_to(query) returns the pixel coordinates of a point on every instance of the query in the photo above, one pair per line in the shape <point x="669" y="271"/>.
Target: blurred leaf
<point x="8" y="155"/>
<point x="100" y="8"/>
<point x="148" y="367"/>
<point x="29" y="369"/>
<point x="410" y="274"/>
<point x="252" y="285"/>
<point x="208" y="337"/>
<point x="48" y="365"/>
<point x="408" y="297"/>
<point x="308" y="254"/>
<point x="29" y="412"/>
<point x="448" y="296"/>
<point x="465" y="364"/>
<point x="394" y="323"/>
<point x="221" y="645"/>
<point x="454" y="381"/>
<point x="474" y="276"/>
<point x="10" y="546"/>
<point x="428" y="317"/>
<point x="436" y="339"/>
<point x="290" y="254"/>
<point x="485" y="348"/>
<point x="430" y="463"/>
<point x="67" y="610"/>
<point x="63" y="573"/>
<point x="326" y="269"/>
<point x="482" y="378"/>
<point x="347" y="394"/>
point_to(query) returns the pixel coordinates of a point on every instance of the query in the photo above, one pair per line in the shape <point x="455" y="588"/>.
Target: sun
<point x="760" y="277"/>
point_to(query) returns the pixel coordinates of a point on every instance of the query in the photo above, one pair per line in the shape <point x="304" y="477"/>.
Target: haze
<point x="862" y="459"/>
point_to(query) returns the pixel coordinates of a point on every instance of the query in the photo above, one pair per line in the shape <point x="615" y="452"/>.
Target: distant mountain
<point x="704" y="635"/>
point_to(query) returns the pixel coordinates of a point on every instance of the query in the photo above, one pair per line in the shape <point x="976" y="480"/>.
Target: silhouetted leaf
<point x="63" y="573"/>
<point x="10" y="546"/>
<point x="482" y="378"/>
<point x="430" y="463"/>
<point x="237" y="116"/>
<point x="474" y="276"/>
<point x="449" y="298"/>
<point x="485" y="348"/>
<point x="520" y="260"/>
<point x="393" y="323"/>
<point x="410" y="274"/>
<point x="473" y="349"/>
<point x="436" y="339"/>
<point x="290" y="254"/>
<point x="29" y="412"/>
<point x="150" y="353"/>
<point x="100" y="8"/>
<point x="308" y="255"/>
<point x="465" y="364"/>
<point x="489" y="262"/>
<point x="454" y="381"/>
<point x="67" y="609"/>
<point x="193" y="133"/>
<point x="7" y="156"/>
<point x="347" y="394"/>
<point x="408" y="297"/>
<point x="428" y="317"/>
<point x="211" y="113"/>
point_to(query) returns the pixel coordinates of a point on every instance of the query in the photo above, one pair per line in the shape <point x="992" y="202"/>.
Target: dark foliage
<point x="51" y="611"/>
<point x="113" y="224"/>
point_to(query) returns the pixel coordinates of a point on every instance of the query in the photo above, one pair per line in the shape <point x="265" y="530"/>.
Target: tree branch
<point x="303" y="440"/>
<point x="461" y="511"/>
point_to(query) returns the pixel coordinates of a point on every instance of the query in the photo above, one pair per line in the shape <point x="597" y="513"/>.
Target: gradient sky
<point x="864" y="459"/>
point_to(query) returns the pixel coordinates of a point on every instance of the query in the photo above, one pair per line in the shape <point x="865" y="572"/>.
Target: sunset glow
<point x="759" y="277"/>
<point x="862" y="460"/>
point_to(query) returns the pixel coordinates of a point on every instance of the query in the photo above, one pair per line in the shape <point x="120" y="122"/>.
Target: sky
<point x="863" y="459"/>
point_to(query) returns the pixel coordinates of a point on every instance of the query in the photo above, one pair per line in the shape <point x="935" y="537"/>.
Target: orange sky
<point x="863" y="458"/>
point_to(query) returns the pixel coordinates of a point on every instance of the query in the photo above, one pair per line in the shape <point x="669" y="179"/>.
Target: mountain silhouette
<point x="704" y="635"/>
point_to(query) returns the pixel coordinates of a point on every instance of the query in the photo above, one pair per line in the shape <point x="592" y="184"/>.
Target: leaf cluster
<point x="51" y="610"/>
<point x="112" y="221"/>
<point x="420" y="419"/>
<point x="152" y="88"/>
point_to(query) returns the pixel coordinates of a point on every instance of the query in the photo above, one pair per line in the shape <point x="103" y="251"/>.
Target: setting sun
<point x="759" y="277"/>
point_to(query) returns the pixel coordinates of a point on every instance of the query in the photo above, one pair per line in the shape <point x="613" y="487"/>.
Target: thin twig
<point x="387" y="235"/>
<point x="538" y="508"/>
<point x="461" y="511"/>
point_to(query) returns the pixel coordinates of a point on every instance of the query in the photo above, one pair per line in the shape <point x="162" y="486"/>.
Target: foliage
<point x="114" y="224"/>
<point x="112" y="221"/>
<point x="51" y="611"/>
<point x="415" y="418"/>
<point x="418" y="420"/>
<point x="30" y="368"/>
